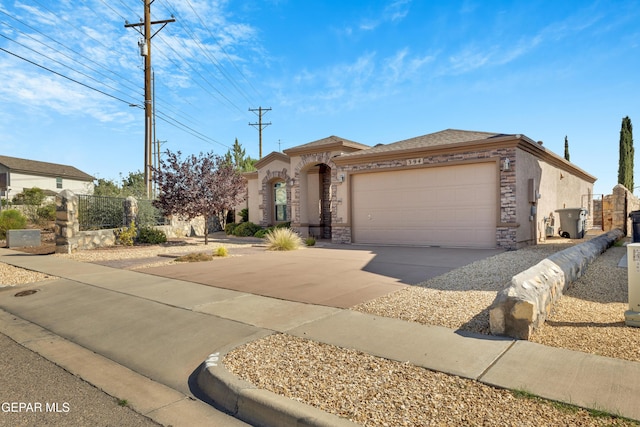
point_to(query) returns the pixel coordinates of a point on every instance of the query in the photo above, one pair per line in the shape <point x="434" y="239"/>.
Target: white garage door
<point x="444" y="206"/>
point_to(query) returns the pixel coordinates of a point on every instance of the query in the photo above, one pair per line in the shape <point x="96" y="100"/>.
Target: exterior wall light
<point x="506" y="165"/>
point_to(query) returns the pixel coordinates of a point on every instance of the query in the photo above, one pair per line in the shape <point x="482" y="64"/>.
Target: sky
<point x="72" y="79"/>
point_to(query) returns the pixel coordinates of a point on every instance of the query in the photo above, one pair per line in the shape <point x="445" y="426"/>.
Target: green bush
<point x="310" y="241"/>
<point x="11" y="219"/>
<point x="230" y="228"/>
<point x="261" y="233"/>
<point x="244" y="214"/>
<point x="151" y="236"/>
<point x="284" y="225"/>
<point x="125" y="235"/>
<point x="47" y="212"/>
<point x="283" y="239"/>
<point x="246" y="229"/>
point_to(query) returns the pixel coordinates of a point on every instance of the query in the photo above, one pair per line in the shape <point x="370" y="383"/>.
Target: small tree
<point x="203" y="185"/>
<point x="31" y="199"/>
<point x="625" y="163"/>
<point x="566" y="149"/>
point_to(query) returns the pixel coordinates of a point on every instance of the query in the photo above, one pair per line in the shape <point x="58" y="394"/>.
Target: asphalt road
<point x="36" y="392"/>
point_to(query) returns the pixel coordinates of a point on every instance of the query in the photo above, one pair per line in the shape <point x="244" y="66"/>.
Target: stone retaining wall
<point x="523" y="306"/>
<point x="70" y="239"/>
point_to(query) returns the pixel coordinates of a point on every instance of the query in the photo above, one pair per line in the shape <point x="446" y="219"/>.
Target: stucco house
<point x="450" y="188"/>
<point x="18" y="174"/>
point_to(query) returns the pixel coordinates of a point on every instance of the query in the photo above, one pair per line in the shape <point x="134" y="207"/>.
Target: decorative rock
<point x="524" y="305"/>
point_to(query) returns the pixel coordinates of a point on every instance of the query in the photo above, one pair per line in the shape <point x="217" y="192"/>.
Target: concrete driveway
<point x="332" y="275"/>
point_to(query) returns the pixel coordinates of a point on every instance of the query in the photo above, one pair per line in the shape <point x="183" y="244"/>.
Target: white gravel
<point x="378" y="392"/>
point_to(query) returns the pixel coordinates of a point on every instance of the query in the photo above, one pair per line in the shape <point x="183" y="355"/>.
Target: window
<point x="280" y="201"/>
<point x="58" y="182"/>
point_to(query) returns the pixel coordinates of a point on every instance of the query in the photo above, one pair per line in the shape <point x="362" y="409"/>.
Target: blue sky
<point x="369" y="71"/>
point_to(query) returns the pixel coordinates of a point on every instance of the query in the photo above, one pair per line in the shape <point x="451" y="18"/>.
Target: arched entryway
<point x="315" y="200"/>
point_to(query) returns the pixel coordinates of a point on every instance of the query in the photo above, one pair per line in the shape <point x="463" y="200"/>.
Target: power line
<point x="63" y="76"/>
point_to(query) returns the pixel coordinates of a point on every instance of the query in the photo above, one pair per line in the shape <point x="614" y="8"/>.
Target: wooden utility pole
<point x="145" y="50"/>
<point x="260" y="125"/>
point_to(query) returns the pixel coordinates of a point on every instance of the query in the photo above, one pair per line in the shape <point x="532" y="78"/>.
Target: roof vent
<point x="540" y="142"/>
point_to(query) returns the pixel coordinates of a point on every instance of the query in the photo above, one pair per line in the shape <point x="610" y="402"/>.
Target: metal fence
<point x="102" y="212"/>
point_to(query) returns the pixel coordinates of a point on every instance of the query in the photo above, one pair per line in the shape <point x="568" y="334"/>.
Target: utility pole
<point x="260" y="125"/>
<point x="145" y="50"/>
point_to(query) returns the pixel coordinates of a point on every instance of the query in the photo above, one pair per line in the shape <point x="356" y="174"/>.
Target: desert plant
<point x="283" y="239"/>
<point x="126" y="235"/>
<point x="246" y="229"/>
<point x="11" y="219"/>
<point x="151" y="236"/>
<point x="46" y="213"/>
<point x="195" y="257"/>
<point x="222" y="251"/>
<point x="310" y="241"/>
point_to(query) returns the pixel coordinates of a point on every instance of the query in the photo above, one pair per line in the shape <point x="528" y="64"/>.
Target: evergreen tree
<point x="625" y="164"/>
<point x="566" y="149"/>
<point x="237" y="157"/>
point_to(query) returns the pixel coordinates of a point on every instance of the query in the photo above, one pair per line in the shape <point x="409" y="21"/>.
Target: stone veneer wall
<point x="505" y="232"/>
<point x="70" y="239"/>
<point x="616" y="209"/>
<point x="329" y="187"/>
<point x="266" y="193"/>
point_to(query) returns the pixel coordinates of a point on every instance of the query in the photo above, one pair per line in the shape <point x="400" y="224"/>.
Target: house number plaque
<point x="412" y="162"/>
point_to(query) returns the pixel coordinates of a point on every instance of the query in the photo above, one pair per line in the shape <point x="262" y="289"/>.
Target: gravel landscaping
<point x="378" y="392"/>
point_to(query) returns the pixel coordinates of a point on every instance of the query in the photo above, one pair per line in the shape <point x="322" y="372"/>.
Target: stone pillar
<point x="130" y="208"/>
<point x="67" y="224"/>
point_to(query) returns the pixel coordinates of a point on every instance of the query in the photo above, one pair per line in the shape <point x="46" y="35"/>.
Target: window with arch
<point x="280" y="201"/>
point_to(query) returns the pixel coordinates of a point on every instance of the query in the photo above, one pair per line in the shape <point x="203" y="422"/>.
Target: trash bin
<point x="573" y="222"/>
<point x="635" y="221"/>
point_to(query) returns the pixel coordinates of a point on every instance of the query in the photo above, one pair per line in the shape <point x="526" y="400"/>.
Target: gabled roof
<point x="444" y="137"/>
<point x="35" y="167"/>
<point x="274" y="155"/>
<point x="330" y="143"/>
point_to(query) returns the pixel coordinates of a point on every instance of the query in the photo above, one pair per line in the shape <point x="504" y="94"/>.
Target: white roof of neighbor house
<point x="35" y="167"/>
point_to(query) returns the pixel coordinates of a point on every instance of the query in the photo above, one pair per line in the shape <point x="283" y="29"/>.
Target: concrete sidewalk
<point x="163" y="330"/>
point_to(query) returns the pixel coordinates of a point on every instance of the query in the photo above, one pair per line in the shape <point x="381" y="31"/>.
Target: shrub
<point x="261" y="233"/>
<point x="283" y="239"/>
<point x="125" y="235"/>
<point x="310" y="241"/>
<point x="11" y="219"/>
<point x="284" y="225"/>
<point x="151" y="236"/>
<point x="47" y="212"/>
<point x="244" y="214"/>
<point x="195" y="257"/>
<point x="230" y="228"/>
<point x="246" y="229"/>
<point x="222" y="251"/>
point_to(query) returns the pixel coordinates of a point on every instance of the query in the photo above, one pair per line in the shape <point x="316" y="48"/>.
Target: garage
<point x="452" y="206"/>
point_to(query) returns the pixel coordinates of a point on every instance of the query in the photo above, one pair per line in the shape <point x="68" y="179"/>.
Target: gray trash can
<point x="573" y="222"/>
<point x="635" y="221"/>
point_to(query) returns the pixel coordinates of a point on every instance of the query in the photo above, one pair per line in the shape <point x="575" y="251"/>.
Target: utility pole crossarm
<point x="145" y="50"/>
<point x="260" y="125"/>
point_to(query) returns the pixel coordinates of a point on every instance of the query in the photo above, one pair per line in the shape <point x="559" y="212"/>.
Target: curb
<point x="255" y="406"/>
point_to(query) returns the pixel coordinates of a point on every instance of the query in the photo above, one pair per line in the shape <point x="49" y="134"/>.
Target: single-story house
<point x="17" y="175"/>
<point x="450" y="188"/>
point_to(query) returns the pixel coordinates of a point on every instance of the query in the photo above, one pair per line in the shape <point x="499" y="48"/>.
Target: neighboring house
<point x="19" y="174"/>
<point x="450" y="188"/>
